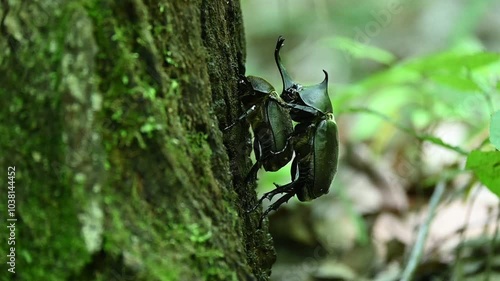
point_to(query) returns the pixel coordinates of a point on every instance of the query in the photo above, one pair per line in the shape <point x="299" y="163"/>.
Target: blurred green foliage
<point x="403" y="76"/>
<point x="394" y="66"/>
<point x="495" y="129"/>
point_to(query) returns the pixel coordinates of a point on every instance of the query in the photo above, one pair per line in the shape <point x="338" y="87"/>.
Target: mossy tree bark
<point x="111" y="113"/>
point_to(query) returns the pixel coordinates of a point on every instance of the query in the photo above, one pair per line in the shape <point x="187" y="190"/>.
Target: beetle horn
<point x="325" y="81"/>
<point x="287" y="80"/>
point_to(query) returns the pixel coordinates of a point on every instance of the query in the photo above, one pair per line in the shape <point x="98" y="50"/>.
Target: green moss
<point x="50" y="245"/>
<point x="139" y="112"/>
<point x="197" y="142"/>
<point x="109" y="126"/>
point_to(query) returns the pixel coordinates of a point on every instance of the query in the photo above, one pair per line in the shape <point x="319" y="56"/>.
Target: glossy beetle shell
<point x="325" y="159"/>
<point x="270" y="122"/>
<point x="315" y="163"/>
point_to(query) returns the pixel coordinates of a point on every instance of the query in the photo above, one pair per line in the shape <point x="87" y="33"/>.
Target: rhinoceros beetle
<point x="270" y="122"/>
<point x="314" y="139"/>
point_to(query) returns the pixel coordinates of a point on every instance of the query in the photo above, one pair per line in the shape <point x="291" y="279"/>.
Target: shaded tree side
<point x="112" y="122"/>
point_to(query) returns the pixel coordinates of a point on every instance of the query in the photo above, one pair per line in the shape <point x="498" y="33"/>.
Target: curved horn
<point x="285" y="77"/>
<point x="325" y="81"/>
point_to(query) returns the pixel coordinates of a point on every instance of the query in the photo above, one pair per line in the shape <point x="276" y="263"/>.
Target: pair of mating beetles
<point x="314" y="139"/>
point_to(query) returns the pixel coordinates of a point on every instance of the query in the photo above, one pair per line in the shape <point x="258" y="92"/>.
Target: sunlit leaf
<point x="362" y="51"/>
<point x="453" y="62"/>
<point x="486" y="166"/>
<point x="455" y="81"/>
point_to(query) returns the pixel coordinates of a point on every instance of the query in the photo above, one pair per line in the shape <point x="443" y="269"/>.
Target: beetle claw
<point x="252" y="209"/>
<point x="269" y="196"/>
<point x="275" y="206"/>
<point x="252" y="175"/>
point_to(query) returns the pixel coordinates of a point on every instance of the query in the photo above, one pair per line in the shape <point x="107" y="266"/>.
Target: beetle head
<point x="316" y="96"/>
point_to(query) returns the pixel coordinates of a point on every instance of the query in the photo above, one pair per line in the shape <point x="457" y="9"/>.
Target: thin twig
<point x="491" y="252"/>
<point x="458" y="253"/>
<point x="417" y="250"/>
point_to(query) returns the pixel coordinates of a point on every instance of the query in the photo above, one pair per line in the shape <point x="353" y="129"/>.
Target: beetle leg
<point x="304" y="108"/>
<point x="295" y="167"/>
<point x="275" y="206"/>
<point x="252" y="175"/>
<point x="269" y="195"/>
<point x="243" y="116"/>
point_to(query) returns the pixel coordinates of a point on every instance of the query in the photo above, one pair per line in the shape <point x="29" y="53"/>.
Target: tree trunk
<point x="110" y="114"/>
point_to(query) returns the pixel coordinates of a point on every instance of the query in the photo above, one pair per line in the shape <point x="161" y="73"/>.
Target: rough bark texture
<point x="111" y="113"/>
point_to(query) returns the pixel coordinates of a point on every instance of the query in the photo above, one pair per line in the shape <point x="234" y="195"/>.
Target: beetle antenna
<point x="241" y="118"/>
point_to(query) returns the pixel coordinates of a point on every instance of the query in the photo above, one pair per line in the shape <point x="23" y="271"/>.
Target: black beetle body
<point x="270" y="123"/>
<point x="314" y="139"/>
<point x="315" y="164"/>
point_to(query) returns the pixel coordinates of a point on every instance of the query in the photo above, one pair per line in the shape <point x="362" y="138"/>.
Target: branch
<point x="417" y="250"/>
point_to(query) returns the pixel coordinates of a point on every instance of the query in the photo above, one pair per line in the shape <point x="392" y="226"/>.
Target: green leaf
<point x="453" y="62"/>
<point x="456" y="82"/>
<point x="359" y="50"/>
<point x="486" y="167"/>
<point x="495" y="130"/>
